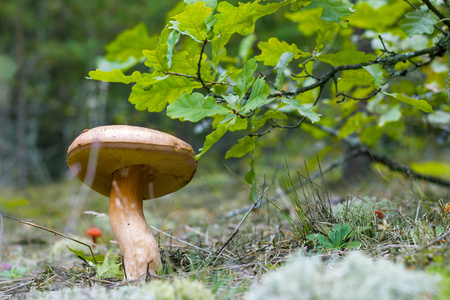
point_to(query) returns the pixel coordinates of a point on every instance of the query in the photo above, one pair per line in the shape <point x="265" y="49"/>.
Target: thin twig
<point x="344" y="95"/>
<point x="219" y="252"/>
<point x="384" y="46"/>
<point x="196" y="79"/>
<point x="390" y="163"/>
<point x="276" y="125"/>
<point x="432" y="52"/>
<point x="54" y="232"/>
<point x="199" y="75"/>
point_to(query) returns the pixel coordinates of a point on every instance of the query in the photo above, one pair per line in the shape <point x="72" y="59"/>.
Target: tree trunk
<point x="21" y="108"/>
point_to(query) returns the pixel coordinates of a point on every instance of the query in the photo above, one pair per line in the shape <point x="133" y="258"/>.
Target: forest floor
<point x="210" y="231"/>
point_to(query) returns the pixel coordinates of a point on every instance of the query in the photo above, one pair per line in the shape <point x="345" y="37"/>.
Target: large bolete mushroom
<point x="130" y="164"/>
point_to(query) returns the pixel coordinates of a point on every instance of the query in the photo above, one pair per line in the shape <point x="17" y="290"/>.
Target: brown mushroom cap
<point x="171" y="160"/>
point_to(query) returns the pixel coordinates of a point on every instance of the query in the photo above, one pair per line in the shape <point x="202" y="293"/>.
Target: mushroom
<point x="130" y="164"/>
<point x="94" y="233"/>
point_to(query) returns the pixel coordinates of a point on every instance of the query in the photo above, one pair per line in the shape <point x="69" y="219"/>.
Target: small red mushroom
<point x="379" y="213"/>
<point x="94" y="232"/>
<point x="447" y="208"/>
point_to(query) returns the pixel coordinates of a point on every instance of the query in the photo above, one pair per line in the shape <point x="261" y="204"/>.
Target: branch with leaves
<point x="193" y="78"/>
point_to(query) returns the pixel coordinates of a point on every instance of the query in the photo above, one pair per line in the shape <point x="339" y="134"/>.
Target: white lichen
<point x="356" y="277"/>
<point x="177" y="289"/>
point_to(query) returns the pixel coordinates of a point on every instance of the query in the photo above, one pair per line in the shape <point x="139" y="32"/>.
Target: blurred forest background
<point x="46" y="50"/>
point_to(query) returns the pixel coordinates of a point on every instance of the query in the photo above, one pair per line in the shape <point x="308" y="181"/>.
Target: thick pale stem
<point x="139" y="248"/>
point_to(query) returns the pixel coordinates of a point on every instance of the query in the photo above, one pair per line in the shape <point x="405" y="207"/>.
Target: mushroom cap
<point x="96" y="153"/>
<point x="94" y="232"/>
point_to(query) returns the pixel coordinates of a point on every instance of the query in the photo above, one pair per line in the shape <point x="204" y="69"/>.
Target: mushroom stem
<point x="139" y="247"/>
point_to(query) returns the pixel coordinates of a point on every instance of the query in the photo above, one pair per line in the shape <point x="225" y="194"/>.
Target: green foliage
<point x="418" y="22"/>
<point x="80" y="254"/>
<point x="420" y="104"/>
<point x="306" y="111"/>
<point x="105" y="266"/>
<point x="339" y="237"/>
<point x="13" y="273"/>
<point x="109" y="269"/>
<point x="194" y="107"/>
<point x="192" y="21"/>
<point x="241" y="19"/>
<point x="203" y="67"/>
<point x="130" y="43"/>
<point x="272" y="50"/>
<point x="333" y="10"/>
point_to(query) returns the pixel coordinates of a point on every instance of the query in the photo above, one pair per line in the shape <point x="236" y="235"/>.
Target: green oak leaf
<point x="326" y="32"/>
<point x="192" y="21"/>
<point x="380" y="18"/>
<point x="272" y="50"/>
<point x="354" y="124"/>
<point x="194" y="107"/>
<point x="172" y="40"/>
<point x="232" y="100"/>
<point x="155" y="96"/>
<point x="130" y="43"/>
<point x="368" y="75"/>
<point x="212" y="138"/>
<point x="393" y="115"/>
<point x="115" y="76"/>
<point x="242" y="18"/>
<point x="370" y="135"/>
<point x="218" y="48"/>
<point x="234" y="122"/>
<point x="244" y="145"/>
<point x="183" y="63"/>
<point x="102" y="64"/>
<point x="245" y="78"/>
<point x="333" y="10"/>
<point x="259" y="121"/>
<point x="308" y="20"/>
<point x="282" y="64"/>
<point x="304" y="110"/>
<point x="80" y="254"/>
<point x="298" y="3"/>
<point x="245" y="47"/>
<point x="208" y="3"/>
<point x="418" y="22"/>
<point x="158" y="58"/>
<point x="420" y="104"/>
<point x="258" y="96"/>
<point x="109" y="269"/>
<point x="377" y="74"/>
<point x="347" y="58"/>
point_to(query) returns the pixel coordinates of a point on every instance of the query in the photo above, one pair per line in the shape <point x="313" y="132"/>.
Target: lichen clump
<point x="353" y="278"/>
<point x="180" y="289"/>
